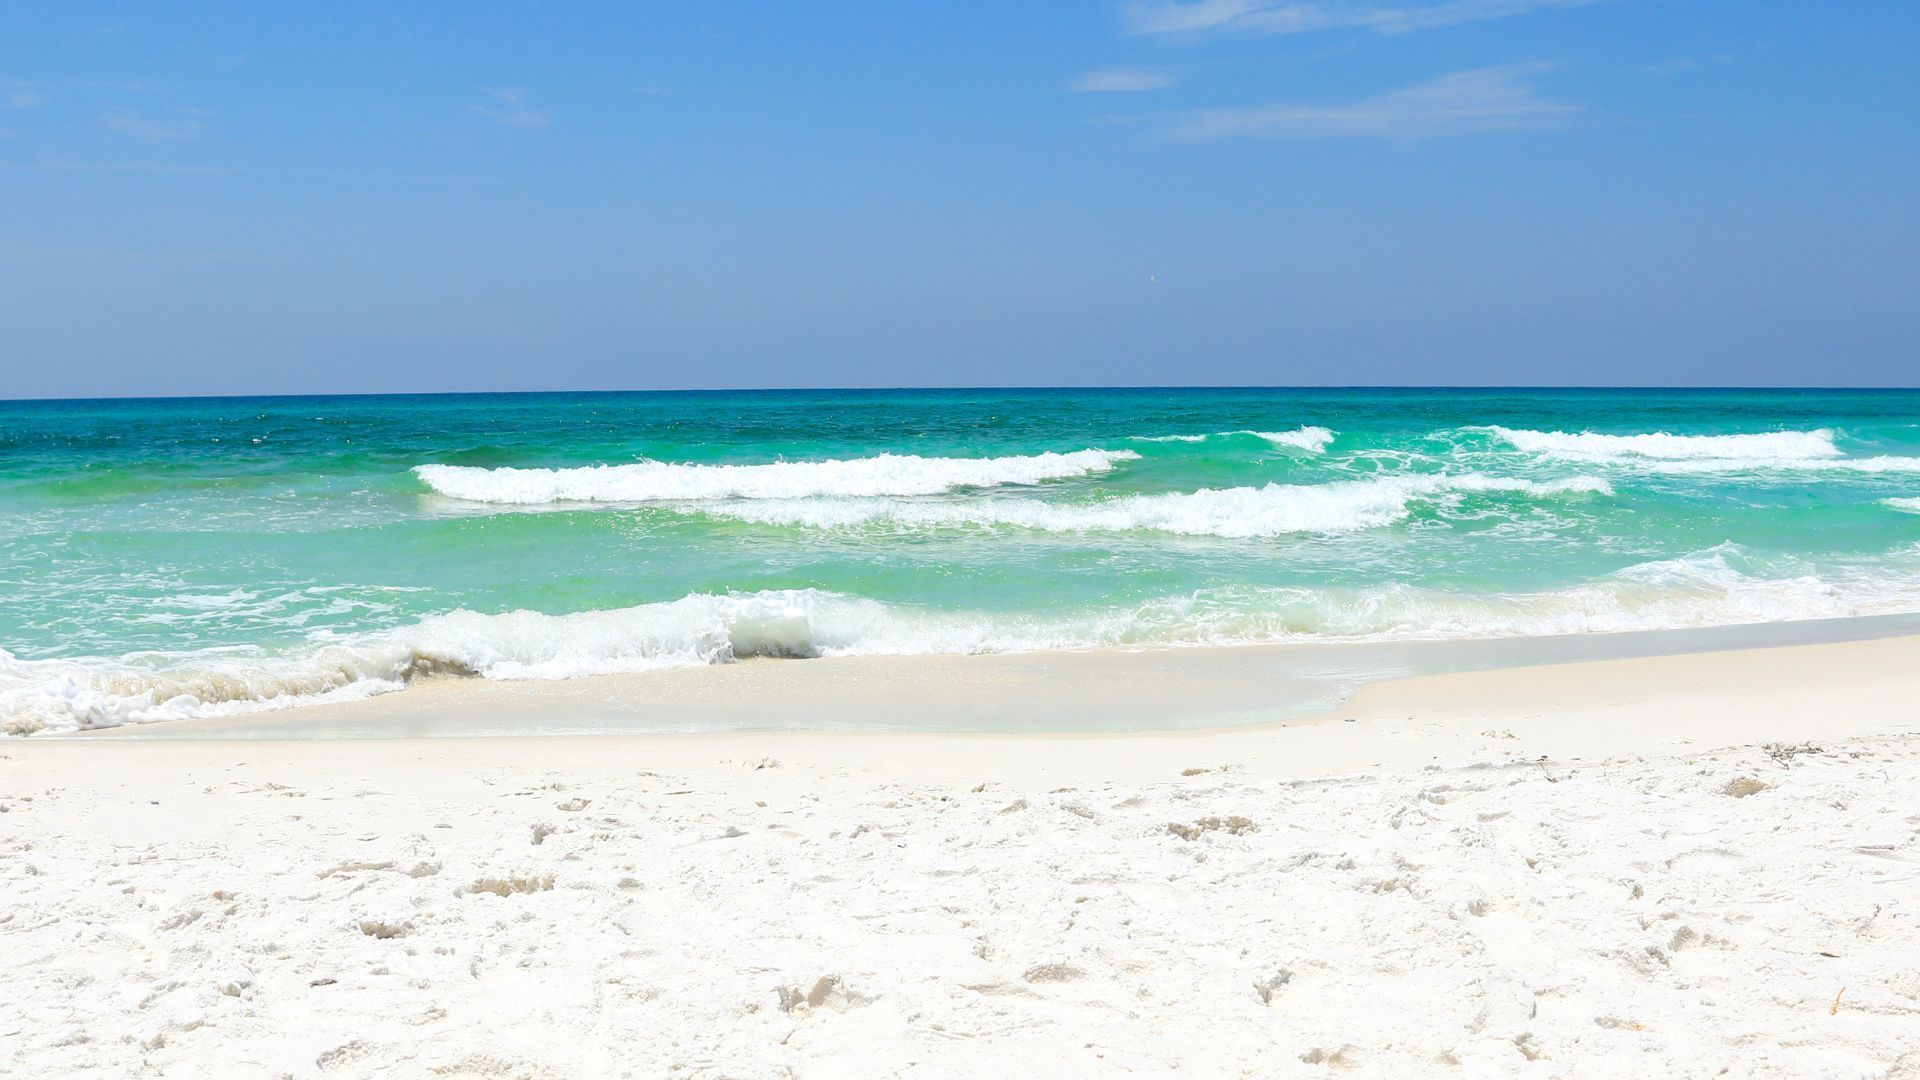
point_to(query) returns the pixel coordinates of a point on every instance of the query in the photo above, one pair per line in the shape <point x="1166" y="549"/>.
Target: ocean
<point x="163" y="559"/>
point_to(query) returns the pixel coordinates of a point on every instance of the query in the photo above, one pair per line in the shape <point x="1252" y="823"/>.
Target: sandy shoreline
<point x="1099" y="691"/>
<point x="1584" y="870"/>
<point x="1640" y="705"/>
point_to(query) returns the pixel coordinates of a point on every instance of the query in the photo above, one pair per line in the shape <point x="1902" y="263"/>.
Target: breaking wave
<point x="1311" y="439"/>
<point x="1693" y="455"/>
<point x="1705" y="589"/>
<point x="1884" y="463"/>
<point x="694" y="630"/>
<point x="652" y="481"/>
<point x="1659" y="446"/>
<point x="1235" y="513"/>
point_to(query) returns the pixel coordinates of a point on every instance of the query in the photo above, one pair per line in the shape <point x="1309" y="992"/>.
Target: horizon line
<point x="1031" y="388"/>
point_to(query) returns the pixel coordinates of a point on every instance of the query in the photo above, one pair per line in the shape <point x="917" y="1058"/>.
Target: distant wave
<point x="1704" y="589"/>
<point x="1311" y="439"/>
<point x="1240" y="512"/>
<point x="1702" y="466"/>
<point x="1589" y="446"/>
<point x="1683" y="455"/>
<point x="650" y="481"/>
<point x="1910" y="505"/>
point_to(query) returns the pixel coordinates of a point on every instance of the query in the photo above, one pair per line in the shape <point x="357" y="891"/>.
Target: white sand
<point x="1411" y="893"/>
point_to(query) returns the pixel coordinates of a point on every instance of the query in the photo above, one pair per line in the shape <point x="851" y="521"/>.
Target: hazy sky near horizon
<point x="250" y="198"/>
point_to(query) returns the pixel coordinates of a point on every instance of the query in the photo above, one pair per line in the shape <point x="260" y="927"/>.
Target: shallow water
<point x="163" y="559"/>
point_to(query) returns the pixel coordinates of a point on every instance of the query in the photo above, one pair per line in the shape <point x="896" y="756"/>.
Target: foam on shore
<point x="1707" y="589"/>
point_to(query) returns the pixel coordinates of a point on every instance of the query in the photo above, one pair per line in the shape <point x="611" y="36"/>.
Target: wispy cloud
<point x="179" y="124"/>
<point x="20" y="94"/>
<point x="1120" y="80"/>
<point x="1176" y="17"/>
<point x="509" y="105"/>
<point x="1464" y="103"/>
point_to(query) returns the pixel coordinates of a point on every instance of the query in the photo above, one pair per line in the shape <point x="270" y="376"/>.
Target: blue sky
<point x="264" y="198"/>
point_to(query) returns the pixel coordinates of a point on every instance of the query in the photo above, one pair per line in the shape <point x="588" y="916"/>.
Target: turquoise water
<point x="161" y="559"/>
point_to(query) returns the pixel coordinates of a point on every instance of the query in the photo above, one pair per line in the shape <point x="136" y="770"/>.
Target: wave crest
<point x="1696" y="455"/>
<point x="1661" y="446"/>
<point x="655" y="481"/>
<point x="1885" y="463"/>
<point x="1311" y="439"/>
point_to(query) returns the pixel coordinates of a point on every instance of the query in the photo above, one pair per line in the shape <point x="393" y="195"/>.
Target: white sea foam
<point x="1772" y="446"/>
<point x="1240" y="512"/>
<point x="1705" y="589"/>
<point x="1695" y="455"/>
<point x="1912" y="505"/>
<point x="697" y="629"/>
<point x="650" y="481"/>
<point x="1311" y="439"/>
<point x="1884" y="463"/>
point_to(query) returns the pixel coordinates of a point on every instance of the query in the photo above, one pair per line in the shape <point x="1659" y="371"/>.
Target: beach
<point x="1154" y="538"/>
<point x="1221" y="732"/>
<point x="1693" y="864"/>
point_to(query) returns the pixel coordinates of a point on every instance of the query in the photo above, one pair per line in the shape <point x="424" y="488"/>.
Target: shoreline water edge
<point x="194" y="559"/>
<point x="1114" y="691"/>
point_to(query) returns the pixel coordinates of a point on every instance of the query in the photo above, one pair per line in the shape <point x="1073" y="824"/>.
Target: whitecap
<point x="1590" y="446"/>
<point x="1314" y="440"/>
<point x="650" y="481"/>
<point x="1694" y="455"/>
<point x="1311" y="439"/>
